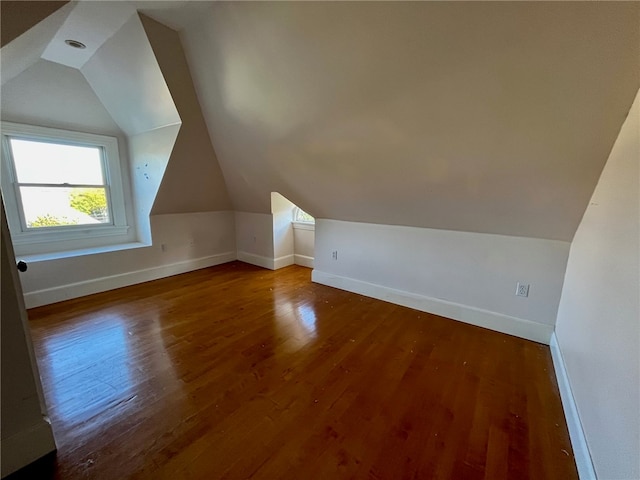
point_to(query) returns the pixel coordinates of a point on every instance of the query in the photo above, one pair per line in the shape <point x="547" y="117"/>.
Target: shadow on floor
<point x="42" y="469"/>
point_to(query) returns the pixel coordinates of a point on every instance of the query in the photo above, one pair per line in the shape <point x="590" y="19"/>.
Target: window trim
<point x="301" y="222"/>
<point x="304" y="225"/>
<point x="68" y="237"/>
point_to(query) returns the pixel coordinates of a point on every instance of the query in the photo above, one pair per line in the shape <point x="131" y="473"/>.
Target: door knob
<point x="22" y="266"/>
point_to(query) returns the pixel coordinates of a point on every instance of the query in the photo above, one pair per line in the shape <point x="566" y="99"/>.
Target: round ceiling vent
<point x="75" y="44"/>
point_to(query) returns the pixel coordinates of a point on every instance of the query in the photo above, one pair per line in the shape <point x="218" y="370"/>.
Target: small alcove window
<point x="301" y="216"/>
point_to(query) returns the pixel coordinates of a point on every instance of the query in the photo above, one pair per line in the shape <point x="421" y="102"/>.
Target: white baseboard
<point x="22" y="448"/>
<point x="281" y="262"/>
<point x="257" y="260"/>
<point x="265" y="262"/>
<point x="303" y="260"/>
<point x="97" y="285"/>
<point x="578" y="440"/>
<point x="518" y="327"/>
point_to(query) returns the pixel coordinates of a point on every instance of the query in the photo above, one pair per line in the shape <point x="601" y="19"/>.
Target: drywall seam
<point x="537" y="332"/>
<point x="26" y="446"/>
<point x="578" y="439"/>
<point x="303" y="260"/>
<point x="88" y="287"/>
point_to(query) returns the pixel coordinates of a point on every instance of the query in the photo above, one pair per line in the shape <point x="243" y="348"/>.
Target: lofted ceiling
<point x="481" y="117"/>
<point x="484" y="117"/>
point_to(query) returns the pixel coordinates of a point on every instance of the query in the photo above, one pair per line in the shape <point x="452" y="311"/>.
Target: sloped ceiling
<point x="126" y="76"/>
<point x="22" y="45"/>
<point x="56" y="96"/>
<point x="482" y="117"/>
<point x="193" y="180"/>
<point x="24" y="16"/>
<point x="94" y="23"/>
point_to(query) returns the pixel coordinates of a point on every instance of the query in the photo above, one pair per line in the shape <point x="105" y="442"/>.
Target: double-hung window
<point x="62" y="190"/>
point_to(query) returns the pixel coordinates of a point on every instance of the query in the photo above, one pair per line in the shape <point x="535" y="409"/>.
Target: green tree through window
<point x="51" y="221"/>
<point x="91" y="201"/>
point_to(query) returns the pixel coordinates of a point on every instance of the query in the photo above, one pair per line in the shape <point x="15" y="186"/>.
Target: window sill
<point x="80" y="233"/>
<point x="56" y="243"/>
<point x="43" y="257"/>
<point x="304" y="226"/>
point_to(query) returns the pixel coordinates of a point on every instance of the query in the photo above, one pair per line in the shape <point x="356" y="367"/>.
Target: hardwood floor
<point x="237" y="372"/>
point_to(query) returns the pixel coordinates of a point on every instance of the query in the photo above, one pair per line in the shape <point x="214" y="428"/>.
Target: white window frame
<point x="67" y="237"/>
<point x="302" y="224"/>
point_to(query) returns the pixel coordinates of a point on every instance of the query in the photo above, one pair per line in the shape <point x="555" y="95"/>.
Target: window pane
<point x="302" y="216"/>
<point x="57" y="206"/>
<point x="42" y="162"/>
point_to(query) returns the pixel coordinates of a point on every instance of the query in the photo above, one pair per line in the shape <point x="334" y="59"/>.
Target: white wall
<point x="271" y="241"/>
<point x="26" y="434"/>
<point x="254" y="238"/>
<point x="304" y="244"/>
<point x="149" y="153"/>
<point x="181" y="242"/>
<point x="466" y="276"/>
<point x="283" y="247"/>
<point x="598" y="326"/>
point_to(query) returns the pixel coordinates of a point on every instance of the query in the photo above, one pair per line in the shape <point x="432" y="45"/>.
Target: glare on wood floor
<point x="238" y="372"/>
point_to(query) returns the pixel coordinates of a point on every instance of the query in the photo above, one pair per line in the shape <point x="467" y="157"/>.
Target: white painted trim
<point x="304" y="225"/>
<point x="257" y="260"/>
<point x="88" y="287"/>
<point x="26" y="446"/>
<point x="32" y="241"/>
<point x="281" y="262"/>
<point x="41" y="257"/>
<point x="275" y="263"/>
<point x="538" y="332"/>
<point x="303" y="260"/>
<point x="578" y="439"/>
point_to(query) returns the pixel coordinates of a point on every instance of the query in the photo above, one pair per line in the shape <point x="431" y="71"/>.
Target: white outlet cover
<point x="522" y="289"/>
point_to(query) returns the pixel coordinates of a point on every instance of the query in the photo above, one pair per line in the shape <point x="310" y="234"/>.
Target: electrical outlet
<point x="334" y="255"/>
<point x="522" y="289"/>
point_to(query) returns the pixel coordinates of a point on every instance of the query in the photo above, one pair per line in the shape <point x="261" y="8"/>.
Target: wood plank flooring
<point x="235" y="372"/>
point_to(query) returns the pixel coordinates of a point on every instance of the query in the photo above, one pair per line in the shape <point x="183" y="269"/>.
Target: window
<point x="60" y="187"/>
<point x="302" y="220"/>
<point x="300" y="215"/>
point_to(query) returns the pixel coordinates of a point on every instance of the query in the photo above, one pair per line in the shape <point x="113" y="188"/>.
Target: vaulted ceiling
<point x="482" y="117"/>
